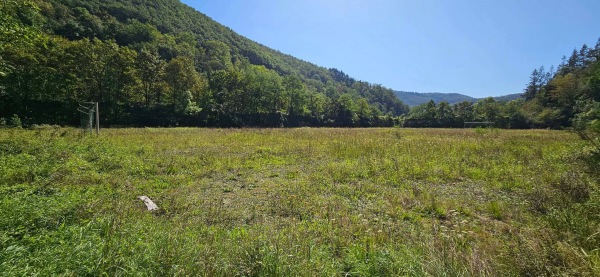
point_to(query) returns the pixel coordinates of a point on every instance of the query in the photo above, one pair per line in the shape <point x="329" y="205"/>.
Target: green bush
<point x="15" y="121"/>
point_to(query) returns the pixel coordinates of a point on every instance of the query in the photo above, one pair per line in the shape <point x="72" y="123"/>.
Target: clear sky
<point x="475" y="47"/>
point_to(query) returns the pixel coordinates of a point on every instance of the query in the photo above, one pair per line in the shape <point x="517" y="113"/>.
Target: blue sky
<point x="477" y="47"/>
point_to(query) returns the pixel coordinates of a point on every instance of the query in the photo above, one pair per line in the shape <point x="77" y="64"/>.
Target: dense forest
<point x="161" y="63"/>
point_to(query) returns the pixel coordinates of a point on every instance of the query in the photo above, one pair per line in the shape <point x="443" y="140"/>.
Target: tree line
<point x="556" y="98"/>
<point x="147" y="68"/>
<point x="492" y="112"/>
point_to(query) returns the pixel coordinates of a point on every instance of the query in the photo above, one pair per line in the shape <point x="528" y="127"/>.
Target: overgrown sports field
<point x="306" y="202"/>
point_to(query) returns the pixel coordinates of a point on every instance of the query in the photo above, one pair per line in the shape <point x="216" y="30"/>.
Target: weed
<point x="496" y="210"/>
<point x="265" y="202"/>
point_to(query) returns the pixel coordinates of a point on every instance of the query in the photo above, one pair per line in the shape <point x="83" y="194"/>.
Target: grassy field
<point x="296" y="202"/>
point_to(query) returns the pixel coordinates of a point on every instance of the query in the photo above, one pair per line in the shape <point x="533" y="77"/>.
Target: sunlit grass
<point x="266" y="202"/>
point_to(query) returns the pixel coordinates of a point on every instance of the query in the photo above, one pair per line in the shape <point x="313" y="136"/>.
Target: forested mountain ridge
<point x="509" y="97"/>
<point x="161" y="63"/>
<point x="418" y="98"/>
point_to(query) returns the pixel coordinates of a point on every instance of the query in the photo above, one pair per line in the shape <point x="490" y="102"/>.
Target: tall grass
<point x="273" y="202"/>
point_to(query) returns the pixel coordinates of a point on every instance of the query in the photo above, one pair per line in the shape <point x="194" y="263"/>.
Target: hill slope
<point x="163" y="63"/>
<point x="168" y="17"/>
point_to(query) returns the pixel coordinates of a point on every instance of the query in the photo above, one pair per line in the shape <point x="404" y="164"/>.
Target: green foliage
<point x="18" y="32"/>
<point x="587" y="120"/>
<point x="184" y="82"/>
<point x="217" y="56"/>
<point x="539" y="78"/>
<point x="552" y="99"/>
<point x="496" y="210"/>
<point x="14" y="121"/>
<point x="556" y="99"/>
<point x="148" y="64"/>
<point x="501" y="114"/>
<point x="587" y="125"/>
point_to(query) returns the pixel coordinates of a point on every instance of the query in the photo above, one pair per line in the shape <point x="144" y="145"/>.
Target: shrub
<point x="15" y="121"/>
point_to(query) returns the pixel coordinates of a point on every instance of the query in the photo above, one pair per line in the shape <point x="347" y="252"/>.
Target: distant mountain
<point x="416" y="98"/>
<point x="509" y="97"/>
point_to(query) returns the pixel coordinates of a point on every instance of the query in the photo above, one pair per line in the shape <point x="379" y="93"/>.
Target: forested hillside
<point x="563" y="96"/>
<point x="566" y="97"/>
<point x="161" y="63"/>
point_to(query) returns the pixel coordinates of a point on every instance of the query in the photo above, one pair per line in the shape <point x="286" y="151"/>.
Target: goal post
<point x="97" y="119"/>
<point x="90" y="116"/>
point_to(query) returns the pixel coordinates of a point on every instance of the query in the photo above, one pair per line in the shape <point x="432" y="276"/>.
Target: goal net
<point x="89" y="116"/>
<point x="478" y="124"/>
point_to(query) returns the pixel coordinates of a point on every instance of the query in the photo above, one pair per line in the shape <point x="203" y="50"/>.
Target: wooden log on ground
<point x="149" y="204"/>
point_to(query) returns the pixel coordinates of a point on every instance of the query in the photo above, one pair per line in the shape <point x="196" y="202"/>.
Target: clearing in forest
<point x="290" y="202"/>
